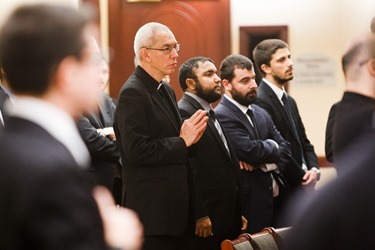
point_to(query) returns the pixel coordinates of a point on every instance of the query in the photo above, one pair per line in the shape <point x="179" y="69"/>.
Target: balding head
<point x="146" y="37"/>
<point x="360" y="51"/>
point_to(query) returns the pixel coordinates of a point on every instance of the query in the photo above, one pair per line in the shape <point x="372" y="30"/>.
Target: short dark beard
<point x="280" y="80"/>
<point x="243" y="100"/>
<point x="209" y="95"/>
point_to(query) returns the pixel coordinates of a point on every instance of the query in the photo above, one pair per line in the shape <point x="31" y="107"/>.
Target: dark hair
<point x="264" y="50"/>
<point x="187" y="70"/>
<point x="230" y="63"/>
<point x="34" y="40"/>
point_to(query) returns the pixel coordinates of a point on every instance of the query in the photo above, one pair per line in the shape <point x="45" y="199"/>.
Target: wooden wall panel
<point x="201" y="27"/>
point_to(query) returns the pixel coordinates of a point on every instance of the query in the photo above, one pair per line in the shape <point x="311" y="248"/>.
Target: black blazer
<point x="153" y="155"/>
<point x="268" y="100"/>
<point x="319" y="225"/>
<point x="215" y="175"/>
<point x="45" y="202"/>
<point x="256" y="185"/>
<point x="104" y="152"/>
<point x="354" y="117"/>
<point x="329" y="132"/>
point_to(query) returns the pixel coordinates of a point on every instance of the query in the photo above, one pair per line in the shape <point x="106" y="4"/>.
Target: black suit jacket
<point x="153" y="155"/>
<point x="257" y="185"/>
<point x="45" y="202"/>
<point x="268" y="100"/>
<point x="104" y="152"/>
<point x="329" y="132"/>
<point x="215" y="175"/>
<point x="353" y="118"/>
<point x="341" y="216"/>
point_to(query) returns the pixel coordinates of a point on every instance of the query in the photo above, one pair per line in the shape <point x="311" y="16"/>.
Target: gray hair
<point x="145" y="36"/>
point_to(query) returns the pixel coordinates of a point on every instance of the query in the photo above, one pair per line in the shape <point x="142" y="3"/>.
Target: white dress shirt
<point x="55" y="121"/>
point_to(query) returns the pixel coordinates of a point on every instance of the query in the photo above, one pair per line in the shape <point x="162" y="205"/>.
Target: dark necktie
<point x="250" y="113"/>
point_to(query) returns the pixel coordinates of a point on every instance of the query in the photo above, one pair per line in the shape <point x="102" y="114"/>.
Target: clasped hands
<point x="193" y="128"/>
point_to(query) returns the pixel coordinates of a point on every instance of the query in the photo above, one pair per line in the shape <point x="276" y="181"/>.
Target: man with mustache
<point x="214" y="167"/>
<point x="272" y="58"/>
<point x="255" y="141"/>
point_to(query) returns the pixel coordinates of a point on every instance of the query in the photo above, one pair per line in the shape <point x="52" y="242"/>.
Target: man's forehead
<point x="243" y="72"/>
<point x="165" y="38"/>
<point x="282" y="52"/>
<point x="206" y="66"/>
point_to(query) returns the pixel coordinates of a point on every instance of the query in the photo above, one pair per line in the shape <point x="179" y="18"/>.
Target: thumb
<point x="103" y="198"/>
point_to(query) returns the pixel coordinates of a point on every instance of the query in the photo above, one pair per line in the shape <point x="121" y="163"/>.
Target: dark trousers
<point x="165" y="243"/>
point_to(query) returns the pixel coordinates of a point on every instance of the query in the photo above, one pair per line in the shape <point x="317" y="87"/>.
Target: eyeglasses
<point x="169" y="49"/>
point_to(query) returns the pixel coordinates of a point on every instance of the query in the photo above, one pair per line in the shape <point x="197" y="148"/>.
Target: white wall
<point x="315" y="26"/>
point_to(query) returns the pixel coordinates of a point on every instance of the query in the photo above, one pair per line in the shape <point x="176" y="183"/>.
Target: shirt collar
<point x="55" y="121"/>
<point x="7" y="91"/>
<point x="238" y="105"/>
<point x="279" y="92"/>
<point x="205" y="105"/>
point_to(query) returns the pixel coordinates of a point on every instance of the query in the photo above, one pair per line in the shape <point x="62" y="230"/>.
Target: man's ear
<point x="191" y="84"/>
<point x="265" y="68"/>
<point x="371" y="67"/>
<point x="144" y="54"/>
<point x="227" y="85"/>
<point x="65" y="74"/>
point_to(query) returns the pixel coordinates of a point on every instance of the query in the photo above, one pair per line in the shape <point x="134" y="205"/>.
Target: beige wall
<point x="6" y="6"/>
<point x="315" y="26"/>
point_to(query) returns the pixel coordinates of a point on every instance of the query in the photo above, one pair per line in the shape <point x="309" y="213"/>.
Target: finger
<point x="241" y="165"/>
<point x="197" y="116"/>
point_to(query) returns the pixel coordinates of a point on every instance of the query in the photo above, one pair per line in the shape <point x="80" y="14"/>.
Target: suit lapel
<point x="241" y="116"/>
<point x="159" y="101"/>
<point x="211" y="125"/>
<point x="280" y="109"/>
<point x="149" y="83"/>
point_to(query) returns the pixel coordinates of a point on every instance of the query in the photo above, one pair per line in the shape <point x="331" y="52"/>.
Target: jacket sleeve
<point x="310" y="155"/>
<point x="98" y="145"/>
<point x="140" y="141"/>
<point x="254" y="152"/>
<point x="200" y="209"/>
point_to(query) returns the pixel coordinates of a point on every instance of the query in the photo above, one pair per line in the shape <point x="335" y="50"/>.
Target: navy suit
<point x="258" y="202"/>
<point x="215" y="182"/>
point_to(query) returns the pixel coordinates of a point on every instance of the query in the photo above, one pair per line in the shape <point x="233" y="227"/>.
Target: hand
<point x="203" y="228"/>
<point x="112" y="136"/>
<point x="310" y="178"/>
<point x="122" y="228"/>
<point x="246" y="166"/>
<point x="192" y="129"/>
<point x="244" y="224"/>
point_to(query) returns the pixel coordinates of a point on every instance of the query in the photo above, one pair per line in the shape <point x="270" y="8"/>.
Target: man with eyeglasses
<point x="154" y="143"/>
